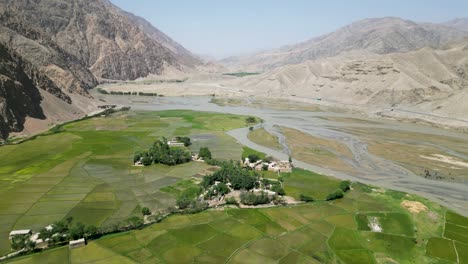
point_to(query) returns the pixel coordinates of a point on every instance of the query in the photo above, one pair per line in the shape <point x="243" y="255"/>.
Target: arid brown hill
<point x="63" y="47"/>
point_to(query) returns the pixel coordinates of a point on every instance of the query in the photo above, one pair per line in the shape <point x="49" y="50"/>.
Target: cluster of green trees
<point x="338" y="194"/>
<point x="229" y="172"/>
<point x="160" y="152"/>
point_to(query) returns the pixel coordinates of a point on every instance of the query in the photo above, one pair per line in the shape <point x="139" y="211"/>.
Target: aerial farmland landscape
<point x="343" y="141"/>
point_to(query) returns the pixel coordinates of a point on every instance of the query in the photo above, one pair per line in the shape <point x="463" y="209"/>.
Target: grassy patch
<point x="262" y="137"/>
<point x="441" y="248"/>
<point x="309" y="183"/>
<point x="246" y="151"/>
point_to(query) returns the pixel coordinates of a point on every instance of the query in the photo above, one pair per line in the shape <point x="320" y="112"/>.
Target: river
<point x="370" y="169"/>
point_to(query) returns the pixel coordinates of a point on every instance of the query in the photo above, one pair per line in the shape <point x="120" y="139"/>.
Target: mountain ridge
<point x="74" y="45"/>
<point x="373" y="35"/>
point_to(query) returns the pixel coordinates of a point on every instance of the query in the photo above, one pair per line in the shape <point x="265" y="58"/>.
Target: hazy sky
<point x="228" y="27"/>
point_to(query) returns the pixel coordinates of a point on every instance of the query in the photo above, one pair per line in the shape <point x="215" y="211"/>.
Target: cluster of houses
<point x="259" y="165"/>
<point x="41" y="243"/>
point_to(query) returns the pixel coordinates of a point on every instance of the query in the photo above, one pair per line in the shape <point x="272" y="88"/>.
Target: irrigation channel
<point x="369" y="168"/>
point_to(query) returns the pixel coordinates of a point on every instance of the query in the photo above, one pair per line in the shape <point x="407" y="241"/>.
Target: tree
<point x="146" y="211"/>
<point x="146" y="160"/>
<point x="253" y="158"/>
<point x="345" y="186"/>
<point x="185" y="140"/>
<point x="205" y="153"/>
<point x="183" y="201"/>
<point x="290" y="159"/>
<point x="250" y="119"/>
<point x="90" y="231"/>
<point x="242" y="182"/>
<point x="221" y="189"/>
<point x="338" y="194"/>
<point x="60" y="226"/>
<point x="77" y="231"/>
<point x="251" y="128"/>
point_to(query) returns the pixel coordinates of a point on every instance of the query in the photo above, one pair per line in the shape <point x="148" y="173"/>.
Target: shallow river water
<point x="369" y="168"/>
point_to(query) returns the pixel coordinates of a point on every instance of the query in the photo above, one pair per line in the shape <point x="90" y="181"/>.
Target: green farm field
<point x="318" y="232"/>
<point x="86" y="171"/>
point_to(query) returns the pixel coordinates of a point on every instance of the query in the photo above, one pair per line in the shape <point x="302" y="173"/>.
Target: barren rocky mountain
<point x="376" y="35"/>
<point x="64" y="47"/>
<point x="458" y="23"/>
<point x="435" y="80"/>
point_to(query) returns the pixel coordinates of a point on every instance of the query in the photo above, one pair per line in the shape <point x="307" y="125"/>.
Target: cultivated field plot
<point x="318" y="232"/>
<point x="86" y="171"/>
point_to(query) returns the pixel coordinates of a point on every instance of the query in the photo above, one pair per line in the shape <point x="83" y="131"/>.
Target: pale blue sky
<point x="222" y="28"/>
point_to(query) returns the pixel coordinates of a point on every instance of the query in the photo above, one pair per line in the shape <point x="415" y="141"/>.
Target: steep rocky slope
<point x="427" y="78"/>
<point x="67" y="46"/>
<point x="376" y="35"/>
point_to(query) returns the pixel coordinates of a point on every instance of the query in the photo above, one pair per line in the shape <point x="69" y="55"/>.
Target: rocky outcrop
<point x="65" y="46"/>
<point x="19" y="95"/>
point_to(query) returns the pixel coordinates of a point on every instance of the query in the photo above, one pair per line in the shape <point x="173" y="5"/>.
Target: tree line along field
<point x="86" y="172"/>
<point x="318" y="232"/>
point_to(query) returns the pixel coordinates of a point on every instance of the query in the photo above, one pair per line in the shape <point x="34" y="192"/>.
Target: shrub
<point x="205" y="153"/>
<point x="146" y="160"/>
<point x="253" y="158"/>
<point x="221" y="189"/>
<point x="278" y="189"/>
<point x="345" y="186"/>
<point x="250" y="119"/>
<point x="231" y="200"/>
<point x="338" y="194"/>
<point x="183" y="201"/>
<point x="135" y="222"/>
<point x="249" y="198"/>
<point x="306" y="198"/>
<point x="146" y="211"/>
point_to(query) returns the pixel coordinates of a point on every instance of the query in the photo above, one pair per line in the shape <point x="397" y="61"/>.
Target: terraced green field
<point x="319" y="232"/>
<point x="86" y="171"/>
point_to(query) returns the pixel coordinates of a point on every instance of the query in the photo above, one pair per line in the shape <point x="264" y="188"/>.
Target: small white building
<point x="77" y="243"/>
<point x="24" y="232"/>
<point x="175" y="144"/>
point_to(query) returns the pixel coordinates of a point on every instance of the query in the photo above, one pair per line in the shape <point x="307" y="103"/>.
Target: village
<point x="242" y="186"/>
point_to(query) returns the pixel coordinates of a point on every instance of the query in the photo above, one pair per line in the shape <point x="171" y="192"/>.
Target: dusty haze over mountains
<point x="53" y="52"/>
<point x="375" y="35"/>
